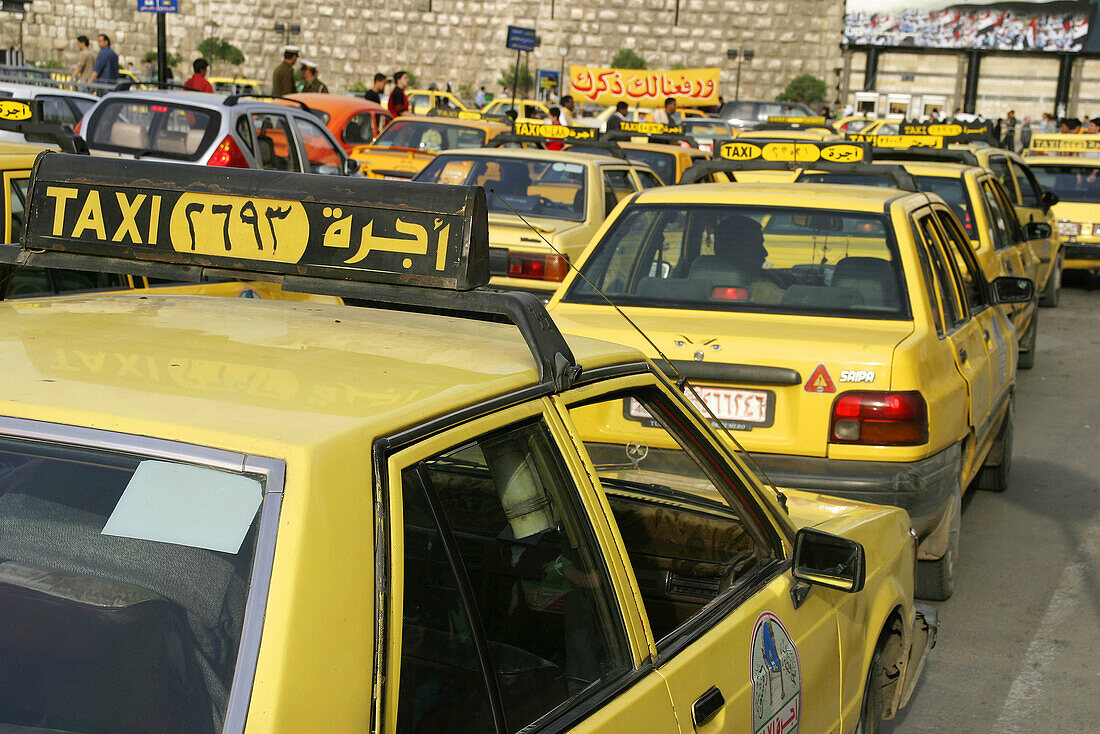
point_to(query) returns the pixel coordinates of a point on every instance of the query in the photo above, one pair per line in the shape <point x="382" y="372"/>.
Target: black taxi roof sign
<point x="898" y="141"/>
<point x="354" y="229"/>
<point x="794" y="151"/>
<point x="554" y="132"/>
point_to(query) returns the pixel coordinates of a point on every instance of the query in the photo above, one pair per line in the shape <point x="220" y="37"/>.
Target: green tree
<point x="218" y="49"/>
<point x="150" y="57"/>
<point x="625" y="58"/>
<point x="806" y="88"/>
<point x="508" y="76"/>
<point x="678" y="66"/>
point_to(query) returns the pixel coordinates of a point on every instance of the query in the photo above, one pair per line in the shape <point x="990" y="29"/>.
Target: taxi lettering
<point x="91" y="215"/>
<point x="857" y="376"/>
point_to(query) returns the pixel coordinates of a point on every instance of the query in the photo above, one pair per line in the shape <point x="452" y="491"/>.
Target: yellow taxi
<point x="663" y="148"/>
<point x="236" y="85"/>
<point x="528" y="110"/>
<point x="847" y="332"/>
<point x="410" y="142"/>
<point x="544" y="205"/>
<point x="423" y="101"/>
<point x="1069" y="167"/>
<point x="218" y="513"/>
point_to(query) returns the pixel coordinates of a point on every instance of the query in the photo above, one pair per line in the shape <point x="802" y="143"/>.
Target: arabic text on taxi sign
<point x="806" y="121"/>
<point x="790" y="151"/>
<point x="14" y="110"/>
<point x="650" y="128"/>
<point x="952" y="132"/>
<point x="555" y="132"/>
<point x="353" y="229"/>
<point x="898" y="141"/>
<point x="1066" y="143"/>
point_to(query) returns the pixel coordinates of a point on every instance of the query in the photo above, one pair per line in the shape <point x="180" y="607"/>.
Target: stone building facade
<point x="461" y="41"/>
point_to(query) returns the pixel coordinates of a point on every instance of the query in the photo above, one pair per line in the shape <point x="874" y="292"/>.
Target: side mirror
<point x="828" y="560"/>
<point x="1037" y="231"/>
<point x="1050" y="199"/>
<point x="351" y="167"/>
<point x="1013" y="290"/>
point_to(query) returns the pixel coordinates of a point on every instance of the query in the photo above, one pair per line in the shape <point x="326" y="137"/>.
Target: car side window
<point x="999" y="222"/>
<point x="649" y="181"/>
<point x="932" y="283"/>
<point x="321" y="154"/>
<point x="1031" y="193"/>
<point x="955" y="311"/>
<point x="958" y="248"/>
<point x="275" y="142"/>
<point x="244" y="132"/>
<point x="54" y="109"/>
<point x="999" y="165"/>
<point x="522" y="589"/>
<point x="359" y="129"/>
<point x="617" y="185"/>
<point x="17" y="192"/>
<point x="687" y="542"/>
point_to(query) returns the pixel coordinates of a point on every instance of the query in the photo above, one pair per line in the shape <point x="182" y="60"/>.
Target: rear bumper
<point x="1082" y="255"/>
<point x="922" y="488"/>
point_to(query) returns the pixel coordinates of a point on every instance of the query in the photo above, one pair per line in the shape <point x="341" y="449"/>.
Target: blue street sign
<point x="521" y="39"/>
<point x="158" y="6"/>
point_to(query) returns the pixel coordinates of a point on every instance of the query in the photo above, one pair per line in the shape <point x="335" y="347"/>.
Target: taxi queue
<point x="842" y="318"/>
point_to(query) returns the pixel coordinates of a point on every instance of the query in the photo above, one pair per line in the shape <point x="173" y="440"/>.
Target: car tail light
<point x="228" y="155"/>
<point x="537" y="267"/>
<point x="1096" y="230"/>
<point x="879" y="418"/>
<point x="724" y="293"/>
<point x="76" y="127"/>
<point x="1068" y="229"/>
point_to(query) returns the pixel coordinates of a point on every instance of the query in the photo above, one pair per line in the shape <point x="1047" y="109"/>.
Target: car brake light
<point x="76" y="127"/>
<point x="879" y="418"/>
<point x="723" y="293"/>
<point x="158" y="108"/>
<point x="228" y="155"/>
<point x="537" y="267"/>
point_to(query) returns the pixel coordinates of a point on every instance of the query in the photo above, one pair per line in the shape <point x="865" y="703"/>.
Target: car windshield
<point x="123" y="584"/>
<point x="149" y="127"/>
<point x="748" y="258"/>
<point x="1071" y="183"/>
<point x="706" y="130"/>
<point x="664" y="164"/>
<point x="431" y="136"/>
<point x="535" y="188"/>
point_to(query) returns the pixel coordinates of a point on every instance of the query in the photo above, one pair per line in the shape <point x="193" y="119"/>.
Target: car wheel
<point x="1053" y="293"/>
<point x="1026" y="360"/>
<point x="870" y="712"/>
<point x="936" y="579"/>
<point x="995" y="478"/>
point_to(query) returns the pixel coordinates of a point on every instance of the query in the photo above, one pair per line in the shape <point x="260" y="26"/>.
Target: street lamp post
<point x="747" y="55"/>
<point x="564" y="51"/>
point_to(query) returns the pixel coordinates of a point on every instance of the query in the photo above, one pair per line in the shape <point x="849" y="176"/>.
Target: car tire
<point x="1026" y="360"/>
<point x="936" y="579"/>
<point x="1053" y="292"/>
<point x="995" y="478"/>
<point x="873" y="706"/>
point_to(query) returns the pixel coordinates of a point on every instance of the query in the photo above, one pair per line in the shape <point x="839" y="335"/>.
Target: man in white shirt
<point x="567" y="105"/>
<point x="667" y="115"/>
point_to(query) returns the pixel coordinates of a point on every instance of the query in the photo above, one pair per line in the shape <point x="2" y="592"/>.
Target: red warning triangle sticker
<point x="820" y="381"/>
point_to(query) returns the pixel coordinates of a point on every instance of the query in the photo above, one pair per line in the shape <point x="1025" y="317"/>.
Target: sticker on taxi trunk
<point x="776" y="678"/>
<point x="820" y="381"/>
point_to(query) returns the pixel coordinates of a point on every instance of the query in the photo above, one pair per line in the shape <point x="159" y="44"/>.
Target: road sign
<point x="519" y="39"/>
<point x="158" y="6"/>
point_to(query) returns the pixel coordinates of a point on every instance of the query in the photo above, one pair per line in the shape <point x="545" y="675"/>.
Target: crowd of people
<point x="955" y="28"/>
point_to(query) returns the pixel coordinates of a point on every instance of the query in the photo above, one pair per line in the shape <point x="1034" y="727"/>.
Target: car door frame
<point x="303" y="158"/>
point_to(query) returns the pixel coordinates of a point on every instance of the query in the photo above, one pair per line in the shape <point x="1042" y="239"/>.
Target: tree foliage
<point x="508" y="75"/>
<point x="218" y="49"/>
<point x="806" y="88"/>
<point x="150" y="57"/>
<point x="625" y="58"/>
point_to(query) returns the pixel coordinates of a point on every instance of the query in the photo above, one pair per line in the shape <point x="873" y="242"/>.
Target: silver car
<point x="214" y="130"/>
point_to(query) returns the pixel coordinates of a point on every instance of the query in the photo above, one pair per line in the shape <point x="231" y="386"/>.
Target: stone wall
<point x="461" y="41"/>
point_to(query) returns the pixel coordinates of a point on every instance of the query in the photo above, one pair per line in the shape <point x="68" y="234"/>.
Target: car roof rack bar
<point x="610" y="146"/>
<point x="125" y="86"/>
<point x="233" y="99"/>
<point x="701" y="169"/>
<point x="897" y="175"/>
<point x="661" y="138"/>
<point x="934" y="155"/>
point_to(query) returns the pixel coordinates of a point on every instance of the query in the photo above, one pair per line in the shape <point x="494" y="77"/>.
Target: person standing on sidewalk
<point x="313" y="85"/>
<point x="198" y="82"/>
<point x="85" y="65"/>
<point x="374" y="94"/>
<point x="399" y="103"/>
<point x="282" y="79"/>
<point x="106" y="63"/>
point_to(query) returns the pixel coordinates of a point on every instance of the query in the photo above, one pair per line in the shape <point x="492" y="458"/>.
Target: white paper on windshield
<point x="186" y="505"/>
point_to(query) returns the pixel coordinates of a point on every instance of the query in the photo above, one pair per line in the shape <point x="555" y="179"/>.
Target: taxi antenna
<point x="681" y="379"/>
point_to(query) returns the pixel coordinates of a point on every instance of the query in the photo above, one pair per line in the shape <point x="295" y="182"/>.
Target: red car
<point x="353" y="120"/>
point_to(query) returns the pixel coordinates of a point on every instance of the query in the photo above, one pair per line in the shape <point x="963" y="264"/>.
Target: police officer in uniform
<point x="309" y="75"/>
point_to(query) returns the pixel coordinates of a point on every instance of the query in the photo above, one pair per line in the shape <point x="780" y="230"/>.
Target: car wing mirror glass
<point x="1037" y="230"/>
<point x="1013" y="290"/>
<point x="1050" y="199"/>
<point x="824" y="559"/>
<point x="351" y="166"/>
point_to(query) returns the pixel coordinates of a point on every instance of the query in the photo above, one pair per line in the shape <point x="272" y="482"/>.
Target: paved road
<point x="1019" y="640"/>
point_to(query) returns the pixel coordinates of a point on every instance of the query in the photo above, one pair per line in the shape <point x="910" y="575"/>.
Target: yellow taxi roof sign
<point x="555" y="132"/>
<point x="898" y="141"/>
<point x="14" y="110"/>
<point x="1064" y="143"/>
<point x="794" y="151"/>
<point x="803" y="121"/>
<point x="650" y="128"/>
<point x="354" y="229"/>
<point x="952" y="132"/>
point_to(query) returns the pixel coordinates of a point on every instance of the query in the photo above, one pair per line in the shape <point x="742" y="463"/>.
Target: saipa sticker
<point x="776" y="678"/>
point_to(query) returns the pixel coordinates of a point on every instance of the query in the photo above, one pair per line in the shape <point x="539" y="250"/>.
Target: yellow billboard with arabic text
<point x="644" y="87"/>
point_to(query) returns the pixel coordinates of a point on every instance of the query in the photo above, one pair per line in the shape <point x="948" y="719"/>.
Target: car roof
<point x="256" y="376"/>
<point x="19" y="155"/>
<point x="208" y="100"/>
<point x="803" y="196"/>
<point x="553" y="156"/>
<point x="33" y="90"/>
<point x="453" y="121"/>
<point x="1061" y="160"/>
<point x="933" y="168"/>
<point x="337" y="102"/>
<point x="662" y="148"/>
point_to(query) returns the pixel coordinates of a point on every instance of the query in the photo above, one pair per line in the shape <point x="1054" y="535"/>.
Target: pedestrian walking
<point x="106" y="62"/>
<point x="399" y="103"/>
<point x="479" y="98"/>
<point x="374" y="94"/>
<point x="85" y="63"/>
<point x="313" y="84"/>
<point x="567" y="107"/>
<point x="282" y="79"/>
<point x="1008" y="141"/>
<point x="615" y="122"/>
<point x="198" y="80"/>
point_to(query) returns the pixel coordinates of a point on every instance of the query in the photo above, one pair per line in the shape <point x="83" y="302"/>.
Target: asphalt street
<point x="1019" y="639"/>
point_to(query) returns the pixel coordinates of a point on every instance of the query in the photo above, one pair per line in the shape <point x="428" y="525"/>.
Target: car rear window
<point x="163" y="129"/>
<point x="1071" y="183"/>
<point x="663" y="164"/>
<point x="431" y="136"/>
<point x="953" y="191"/>
<point x="748" y="258"/>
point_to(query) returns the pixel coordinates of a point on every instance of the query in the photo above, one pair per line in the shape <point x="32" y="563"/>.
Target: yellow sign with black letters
<point x="788" y="151"/>
<point x="1064" y="143"/>
<point x="360" y="229"/>
<point x="650" y="128"/>
<point x="555" y="132"/>
<point x="14" y="110"/>
<point x="898" y="141"/>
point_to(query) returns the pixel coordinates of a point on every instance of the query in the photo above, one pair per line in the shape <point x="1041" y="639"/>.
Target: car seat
<point x="129" y="135"/>
<point x="873" y="277"/>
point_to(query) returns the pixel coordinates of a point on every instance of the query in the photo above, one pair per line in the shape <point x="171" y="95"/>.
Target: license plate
<point x="735" y="408"/>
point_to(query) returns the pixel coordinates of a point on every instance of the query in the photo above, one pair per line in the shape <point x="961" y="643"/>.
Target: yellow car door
<point x="508" y="607"/>
<point x="741" y="649"/>
<point x="1033" y="208"/>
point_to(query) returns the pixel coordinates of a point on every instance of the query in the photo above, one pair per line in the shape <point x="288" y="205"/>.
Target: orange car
<point x="353" y="120"/>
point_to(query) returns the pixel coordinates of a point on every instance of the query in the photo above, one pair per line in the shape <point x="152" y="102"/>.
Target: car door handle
<point x="704" y="709"/>
<point x="962" y="355"/>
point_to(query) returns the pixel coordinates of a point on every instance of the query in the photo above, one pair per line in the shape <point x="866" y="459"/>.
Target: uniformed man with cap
<point x="309" y="77"/>
<point x="282" y="79"/>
